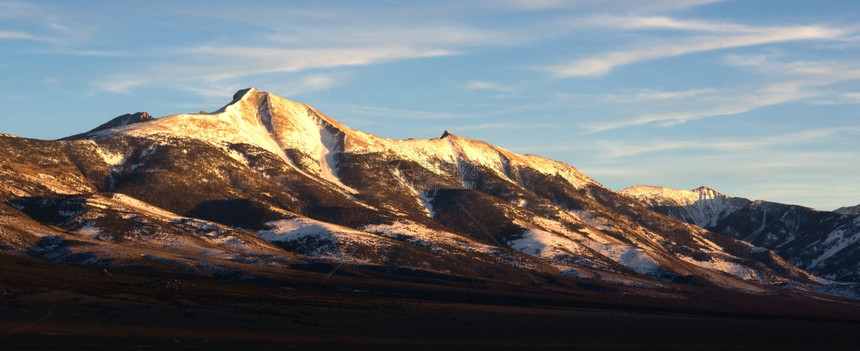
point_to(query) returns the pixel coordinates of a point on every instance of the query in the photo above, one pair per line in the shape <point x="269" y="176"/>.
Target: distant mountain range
<point x="265" y="184"/>
<point x="852" y="210"/>
<point x="824" y="243"/>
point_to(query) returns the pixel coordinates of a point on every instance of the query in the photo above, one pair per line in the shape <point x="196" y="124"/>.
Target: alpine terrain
<point x="824" y="243"/>
<point x="269" y="202"/>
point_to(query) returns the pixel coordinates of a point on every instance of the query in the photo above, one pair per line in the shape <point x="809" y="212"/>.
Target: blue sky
<point x="754" y="98"/>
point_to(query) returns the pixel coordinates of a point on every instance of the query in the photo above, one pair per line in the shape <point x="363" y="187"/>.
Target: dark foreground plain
<point x="47" y="306"/>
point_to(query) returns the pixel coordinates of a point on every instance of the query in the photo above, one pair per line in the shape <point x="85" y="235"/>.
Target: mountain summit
<point x="658" y="195"/>
<point x="702" y="206"/>
<point x="822" y="242"/>
<point x="266" y="184"/>
<point x="119" y="121"/>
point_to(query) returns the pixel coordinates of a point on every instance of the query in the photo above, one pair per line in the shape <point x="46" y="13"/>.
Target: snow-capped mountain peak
<point x="659" y="195"/>
<point x="311" y="142"/>
<point x="822" y="242"/>
<point x="259" y="119"/>
<point x="277" y="112"/>
<point x="702" y="206"/>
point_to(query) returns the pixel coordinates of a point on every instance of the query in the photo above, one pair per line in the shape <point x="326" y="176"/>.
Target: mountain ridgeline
<point x="265" y="185"/>
<point x="824" y="243"/>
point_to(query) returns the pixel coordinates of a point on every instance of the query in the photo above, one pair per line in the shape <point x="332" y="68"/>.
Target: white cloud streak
<point x="590" y="5"/>
<point x="812" y="73"/>
<point x="299" y="45"/>
<point x="655" y="95"/>
<point x="17" y="36"/>
<point x="624" y="150"/>
<point x="19" y="10"/>
<point x="808" y="81"/>
<point x="632" y="22"/>
<point x="46" y="23"/>
<point x="739" y="103"/>
<point x="503" y="125"/>
<point x="426" y="35"/>
<point x="483" y="85"/>
<point x="602" y="64"/>
<point x="214" y="64"/>
<point x="386" y="112"/>
<point x="617" y="150"/>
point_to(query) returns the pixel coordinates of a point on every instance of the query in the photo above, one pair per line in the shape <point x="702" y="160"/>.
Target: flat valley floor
<point x="84" y="308"/>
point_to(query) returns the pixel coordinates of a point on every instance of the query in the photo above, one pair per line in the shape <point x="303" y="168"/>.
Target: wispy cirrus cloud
<point x="618" y="5"/>
<point x="625" y="149"/>
<point x="791" y="81"/>
<point x="387" y="112"/>
<point x="503" y="125"/>
<point x="425" y="35"/>
<point x="638" y="22"/>
<point x="19" y="9"/>
<point x="811" y="72"/>
<point x="18" y="36"/>
<point x="296" y="43"/>
<point x="801" y="74"/>
<point x="484" y="85"/>
<point x="602" y="63"/>
<point x="216" y="64"/>
<point x="43" y="23"/>
<point x="839" y="98"/>
<point x="729" y="104"/>
<point x="620" y="149"/>
<point x="655" y="95"/>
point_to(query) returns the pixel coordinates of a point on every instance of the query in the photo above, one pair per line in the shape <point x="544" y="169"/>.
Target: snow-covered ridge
<point x="663" y="196"/>
<point x="853" y="210"/>
<point x="702" y="206"/>
<point x="255" y="118"/>
<point x="277" y="125"/>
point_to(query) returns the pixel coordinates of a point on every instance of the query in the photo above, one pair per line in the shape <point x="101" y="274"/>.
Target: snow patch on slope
<point x="627" y="256"/>
<point x="290" y="229"/>
<point x="112" y="159"/>
<point x="426" y="199"/>
<point x="590" y="219"/>
<point x="541" y="243"/>
<point x="144" y="207"/>
<point x="93" y="232"/>
<point x="553" y="246"/>
<point x="721" y="265"/>
<point x="325" y="240"/>
<point x="328" y="159"/>
<point x="420" y="235"/>
<point x="238" y="156"/>
<point x="837" y="241"/>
